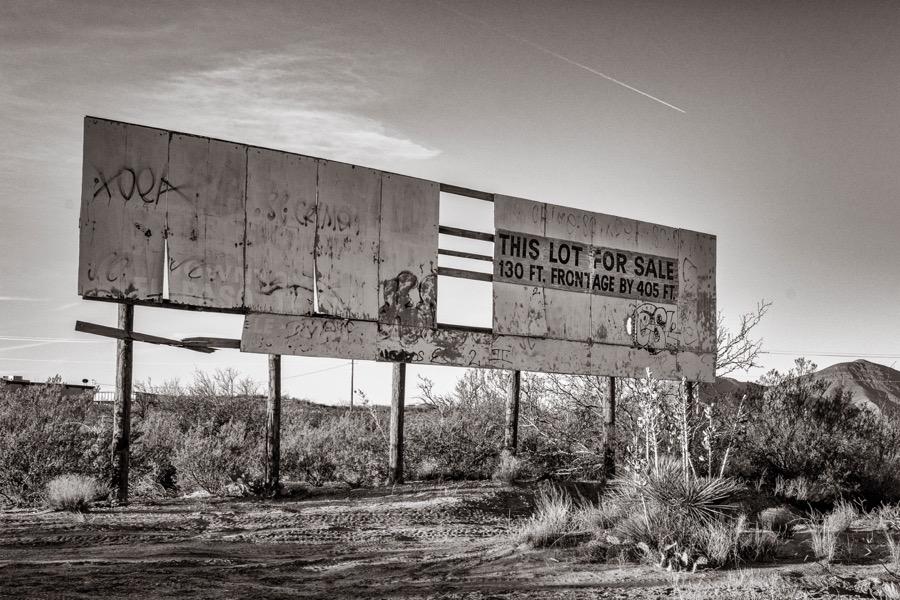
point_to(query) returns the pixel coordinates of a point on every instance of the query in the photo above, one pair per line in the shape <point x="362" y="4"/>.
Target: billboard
<point x="337" y="260"/>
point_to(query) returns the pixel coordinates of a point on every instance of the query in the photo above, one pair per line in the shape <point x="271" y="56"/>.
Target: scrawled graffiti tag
<point x="408" y="301"/>
<point x="654" y="327"/>
<point x="130" y="182"/>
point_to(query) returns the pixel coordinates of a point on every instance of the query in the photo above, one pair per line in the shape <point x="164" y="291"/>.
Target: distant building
<point x="67" y="389"/>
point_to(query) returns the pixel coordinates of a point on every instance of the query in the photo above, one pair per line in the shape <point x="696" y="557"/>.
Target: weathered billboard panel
<point x="605" y="280"/>
<point x="337" y="260"/>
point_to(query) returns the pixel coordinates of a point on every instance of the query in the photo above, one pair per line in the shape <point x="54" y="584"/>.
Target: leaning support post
<point x="121" y="442"/>
<point x="511" y="433"/>
<point x="273" y="426"/>
<point x="609" y="432"/>
<point x="398" y="395"/>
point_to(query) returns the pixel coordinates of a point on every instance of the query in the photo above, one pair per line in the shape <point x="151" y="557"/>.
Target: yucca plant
<point x="675" y="511"/>
<point x="665" y="486"/>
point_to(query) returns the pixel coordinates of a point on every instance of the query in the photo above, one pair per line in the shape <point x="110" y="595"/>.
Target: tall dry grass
<point x="825" y="531"/>
<point x="73" y="493"/>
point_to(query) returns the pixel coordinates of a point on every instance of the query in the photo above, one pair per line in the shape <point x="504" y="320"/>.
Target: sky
<point x="773" y="125"/>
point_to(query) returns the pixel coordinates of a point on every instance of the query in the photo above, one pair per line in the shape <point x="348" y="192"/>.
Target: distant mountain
<point x="870" y="383"/>
<point x="729" y="387"/>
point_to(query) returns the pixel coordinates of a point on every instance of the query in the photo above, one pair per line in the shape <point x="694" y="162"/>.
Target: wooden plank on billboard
<point x="464" y="348"/>
<point x="696" y="367"/>
<point x="518" y="309"/>
<point x="697" y="301"/>
<point x="408" y="251"/>
<point x="609" y="316"/>
<point x="309" y="336"/>
<point x="568" y="314"/>
<point x="454" y="347"/>
<point x="347" y="240"/>
<point x="281" y="227"/>
<point x="206" y="222"/>
<point x="122" y="224"/>
<point x="622" y="361"/>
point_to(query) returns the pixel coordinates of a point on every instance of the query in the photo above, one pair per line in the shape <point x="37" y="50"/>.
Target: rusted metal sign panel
<point x="407" y="270"/>
<point x="309" y="336"/>
<point x="281" y="224"/>
<point x="206" y="222"/>
<point x="347" y="233"/>
<point x="518" y="308"/>
<point x="123" y="219"/>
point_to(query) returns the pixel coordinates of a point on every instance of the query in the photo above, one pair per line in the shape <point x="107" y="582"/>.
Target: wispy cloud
<point x="306" y="98"/>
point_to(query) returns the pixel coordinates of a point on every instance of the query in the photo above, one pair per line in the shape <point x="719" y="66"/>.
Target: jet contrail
<point x="556" y="55"/>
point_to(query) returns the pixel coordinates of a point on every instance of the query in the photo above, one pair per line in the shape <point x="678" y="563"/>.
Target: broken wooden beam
<point x="212" y="342"/>
<point x="121" y="334"/>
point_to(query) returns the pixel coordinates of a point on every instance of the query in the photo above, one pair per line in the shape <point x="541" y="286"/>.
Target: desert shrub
<point x="551" y="523"/>
<point x="778" y="520"/>
<point x="561" y="432"/>
<point x="462" y="431"/>
<point x="213" y="458"/>
<point x="817" y="445"/>
<point x="73" y="493"/>
<point x="510" y="468"/>
<point x="44" y="434"/>
<point x="156" y="439"/>
<point x="429" y="468"/>
<point x="207" y="435"/>
<point x="606" y="513"/>
<point x="345" y="447"/>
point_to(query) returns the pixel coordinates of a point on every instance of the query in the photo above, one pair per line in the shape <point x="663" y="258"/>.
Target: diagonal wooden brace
<point x="119" y="334"/>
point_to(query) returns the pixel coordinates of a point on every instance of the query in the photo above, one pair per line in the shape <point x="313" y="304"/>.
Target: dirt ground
<point x="411" y="541"/>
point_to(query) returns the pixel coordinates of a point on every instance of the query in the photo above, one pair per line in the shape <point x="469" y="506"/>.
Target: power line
<point x="317" y="371"/>
<point x="834" y="354"/>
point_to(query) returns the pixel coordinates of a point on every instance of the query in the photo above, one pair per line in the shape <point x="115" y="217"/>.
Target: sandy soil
<point x="412" y="541"/>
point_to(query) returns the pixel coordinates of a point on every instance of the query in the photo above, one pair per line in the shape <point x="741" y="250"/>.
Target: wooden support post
<point x="121" y="442"/>
<point x="511" y="433"/>
<point x="398" y="395"/>
<point x="273" y="426"/>
<point x="609" y="432"/>
<point x="690" y="410"/>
